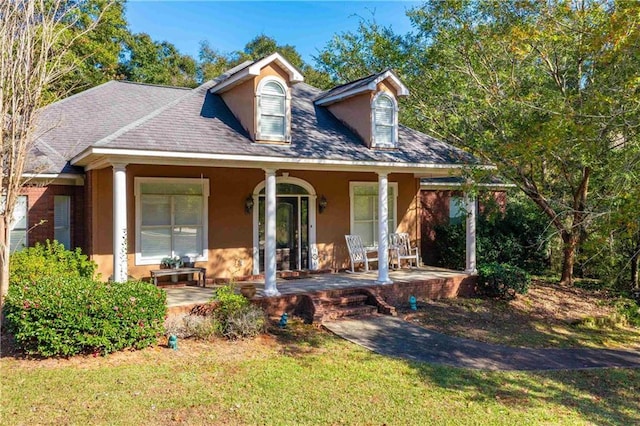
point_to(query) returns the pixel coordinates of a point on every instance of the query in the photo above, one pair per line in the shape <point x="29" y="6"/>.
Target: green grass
<point x="302" y="376"/>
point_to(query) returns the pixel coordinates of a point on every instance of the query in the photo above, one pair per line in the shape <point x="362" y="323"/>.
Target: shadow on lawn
<point x="607" y="397"/>
<point x="547" y="321"/>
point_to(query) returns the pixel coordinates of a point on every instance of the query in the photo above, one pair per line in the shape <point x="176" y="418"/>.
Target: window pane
<point x="273" y="88"/>
<point x="188" y="210"/>
<point x="156" y="242"/>
<point x="20" y="213"/>
<point x="364" y="208"/>
<point x="366" y="232"/>
<point x="456" y="210"/>
<point x="156" y="210"/>
<point x="272" y="105"/>
<point x="62" y="220"/>
<point x="366" y="190"/>
<point x="188" y="240"/>
<point x="272" y="125"/>
<point x="194" y="188"/>
<point x="18" y="240"/>
<point x="384" y="134"/>
<point x="384" y="116"/>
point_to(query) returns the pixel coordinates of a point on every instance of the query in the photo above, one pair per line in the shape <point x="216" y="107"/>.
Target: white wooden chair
<point x="358" y="253"/>
<point x="400" y="247"/>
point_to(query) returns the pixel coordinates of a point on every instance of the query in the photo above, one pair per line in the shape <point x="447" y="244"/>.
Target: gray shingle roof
<point x="143" y="117"/>
<point x="69" y="126"/>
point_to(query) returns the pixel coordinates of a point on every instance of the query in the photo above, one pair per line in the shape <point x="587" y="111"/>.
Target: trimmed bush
<point x="249" y="321"/>
<point x="49" y="259"/>
<point x="234" y="317"/>
<point x="63" y="316"/>
<point x="502" y="280"/>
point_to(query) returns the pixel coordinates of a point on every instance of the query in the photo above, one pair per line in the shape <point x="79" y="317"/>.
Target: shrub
<point x="234" y="317"/>
<point x="62" y="316"/>
<point x="229" y="301"/>
<point x="49" y="259"/>
<point x="517" y="237"/>
<point x="502" y="280"/>
<point x="247" y="322"/>
<point x="190" y="325"/>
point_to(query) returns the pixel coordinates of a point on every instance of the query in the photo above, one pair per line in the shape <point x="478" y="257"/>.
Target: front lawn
<point x="301" y="376"/>
<point x="547" y="316"/>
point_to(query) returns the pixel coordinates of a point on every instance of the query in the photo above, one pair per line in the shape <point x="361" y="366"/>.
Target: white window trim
<point x="287" y="111"/>
<point x="353" y="185"/>
<point x="140" y="260"/>
<point x="394" y="133"/>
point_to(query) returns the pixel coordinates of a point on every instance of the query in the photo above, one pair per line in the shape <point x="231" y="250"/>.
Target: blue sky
<point x="229" y="25"/>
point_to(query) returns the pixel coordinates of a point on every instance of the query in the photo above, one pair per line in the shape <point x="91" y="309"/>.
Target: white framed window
<point x="171" y="218"/>
<point x="272" y="110"/>
<point x="457" y="210"/>
<point x="384" y="121"/>
<point x="62" y="220"/>
<point x="364" y="210"/>
<point x="19" y="224"/>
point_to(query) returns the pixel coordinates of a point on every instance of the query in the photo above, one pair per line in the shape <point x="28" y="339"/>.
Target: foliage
<point x="63" y="316"/>
<point x="49" y="260"/>
<point x="190" y="325"/>
<point x="547" y="91"/>
<point x="148" y="61"/>
<point x="502" y="280"/>
<point x="171" y="262"/>
<point x="234" y="317"/>
<point x="519" y="236"/>
<point x="249" y="321"/>
<point x="95" y="54"/>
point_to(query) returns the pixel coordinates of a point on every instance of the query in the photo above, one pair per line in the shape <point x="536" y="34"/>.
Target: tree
<point x="147" y="61"/>
<point x="95" y="53"/>
<point x="544" y="90"/>
<point x="36" y="37"/>
<point x="213" y="63"/>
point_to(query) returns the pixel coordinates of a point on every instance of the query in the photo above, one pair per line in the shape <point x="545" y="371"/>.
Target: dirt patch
<point x="547" y="316"/>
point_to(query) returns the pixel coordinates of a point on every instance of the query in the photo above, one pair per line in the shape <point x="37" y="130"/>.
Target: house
<point x="248" y="174"/>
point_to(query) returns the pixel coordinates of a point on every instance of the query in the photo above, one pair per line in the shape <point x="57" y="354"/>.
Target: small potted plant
<point x="170" y="262"/>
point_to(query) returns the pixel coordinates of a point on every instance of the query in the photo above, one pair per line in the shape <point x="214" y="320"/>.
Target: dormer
<point x="369" y="107"/>
<point x="259" y="96"/>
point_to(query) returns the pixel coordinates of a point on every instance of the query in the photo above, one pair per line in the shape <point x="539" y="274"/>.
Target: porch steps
<point x="346" y="304"/>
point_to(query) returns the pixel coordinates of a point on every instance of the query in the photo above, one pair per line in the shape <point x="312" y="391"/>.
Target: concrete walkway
<point x="395" y="337"/>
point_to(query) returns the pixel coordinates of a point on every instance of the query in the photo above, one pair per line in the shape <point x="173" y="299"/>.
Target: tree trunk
<point x="4" y="266"/>
<point x="568" y="259"/>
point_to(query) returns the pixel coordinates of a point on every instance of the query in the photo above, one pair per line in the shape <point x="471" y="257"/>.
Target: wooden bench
<point x="201" y="273"/>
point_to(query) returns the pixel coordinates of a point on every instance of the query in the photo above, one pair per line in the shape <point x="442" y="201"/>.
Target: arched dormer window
<point x="385" y="121"/>
<point x="273" y="111"/>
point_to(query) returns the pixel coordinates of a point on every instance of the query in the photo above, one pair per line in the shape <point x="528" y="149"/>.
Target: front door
<point x="292" y="232"/>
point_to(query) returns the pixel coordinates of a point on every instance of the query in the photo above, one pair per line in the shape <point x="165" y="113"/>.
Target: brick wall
<point x="40" y="201"/>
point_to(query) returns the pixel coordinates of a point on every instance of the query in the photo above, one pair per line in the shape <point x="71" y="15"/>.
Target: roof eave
<point x="401" y="89"/>
<point x="100" y="157"/>
<point x="254" y="69"/>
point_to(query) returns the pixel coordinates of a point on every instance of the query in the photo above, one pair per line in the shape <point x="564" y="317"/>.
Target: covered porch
<point x="424" y="282"/>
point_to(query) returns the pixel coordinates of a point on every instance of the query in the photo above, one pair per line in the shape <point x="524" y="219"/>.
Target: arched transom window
<point x="385" y="122"/>
<point x="273" y="111"/>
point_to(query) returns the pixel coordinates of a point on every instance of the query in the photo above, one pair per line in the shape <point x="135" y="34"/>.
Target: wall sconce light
<point x="248" y="204"/>
<point x="322" y="203"/>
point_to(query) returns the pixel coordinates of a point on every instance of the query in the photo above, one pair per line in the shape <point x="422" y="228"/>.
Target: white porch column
<point x="270" y="288"/>
<point x="120" y="244"/>
<point x="471" y="210"/>
<point x="383" y="229"/>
